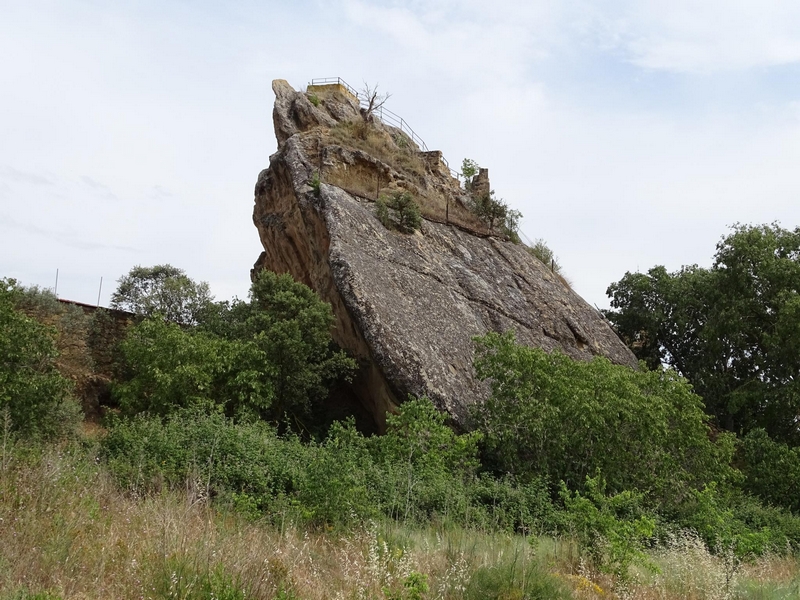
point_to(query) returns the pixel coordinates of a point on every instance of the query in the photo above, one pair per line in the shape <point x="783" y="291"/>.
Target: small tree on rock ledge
<point x="399" y="210"/>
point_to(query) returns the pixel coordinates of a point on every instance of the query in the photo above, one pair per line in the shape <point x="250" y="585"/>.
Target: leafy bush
<point x="247" y="465"/>
<point x="507" y="504"/>
<point x="771" y="469"/>
<point x="419" y="470"/>
<point x="34" y="395"/>
<point x="611" y="529"/>
<point x="496" y="213"/>
<point x="315" y="183"/>
<point x="490" y="209"/>
<point x="737" y="527"/>
<point x="426" y="466"/>
<point x="398" y="209"/>
<point x="643" y="430"/>
<point x="168" y="367"/>
<point x="382" y="212"/>
<point x="338" y="486"/>
<point x="207" y="451"/>
<point x="782" y="526"/>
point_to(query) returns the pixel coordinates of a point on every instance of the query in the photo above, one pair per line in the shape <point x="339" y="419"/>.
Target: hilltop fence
<point x="385" y="115"/>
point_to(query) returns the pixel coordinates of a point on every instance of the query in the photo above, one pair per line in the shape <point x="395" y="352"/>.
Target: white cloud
<point x="166" y="106"/>
<point x="702" y="36"/>
<point x="470" y="41"/>
<point x="687" y="36"/>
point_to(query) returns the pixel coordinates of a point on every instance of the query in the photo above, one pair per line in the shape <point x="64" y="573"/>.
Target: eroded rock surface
<point x="407" y="306"/>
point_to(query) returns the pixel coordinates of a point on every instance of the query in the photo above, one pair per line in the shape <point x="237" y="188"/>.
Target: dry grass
<point x="66" y="528"/>
<point x="393" y="148"/>
<point x="380" y="144"/>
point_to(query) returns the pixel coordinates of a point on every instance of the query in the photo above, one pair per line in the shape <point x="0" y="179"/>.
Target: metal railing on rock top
<point x="384" y="114"/>
<point x="335" y="81"/>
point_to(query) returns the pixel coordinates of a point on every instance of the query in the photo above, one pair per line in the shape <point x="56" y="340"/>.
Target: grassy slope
<point x="68" y="529"/>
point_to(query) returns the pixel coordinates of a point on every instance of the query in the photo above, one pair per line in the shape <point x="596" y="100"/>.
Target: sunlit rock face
<point x="407" y="305"/>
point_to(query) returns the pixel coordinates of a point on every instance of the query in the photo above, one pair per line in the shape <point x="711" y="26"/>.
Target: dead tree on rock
<point x="373" y="99"/>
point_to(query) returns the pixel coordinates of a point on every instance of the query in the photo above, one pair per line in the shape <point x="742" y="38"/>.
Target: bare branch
<point x="374" y="100"/>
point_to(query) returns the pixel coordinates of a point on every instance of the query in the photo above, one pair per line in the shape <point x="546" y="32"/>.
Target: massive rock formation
<point x="407" y="305"/>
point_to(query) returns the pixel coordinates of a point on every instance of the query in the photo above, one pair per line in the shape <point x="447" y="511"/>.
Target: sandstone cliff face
<point x="407" y="306"/>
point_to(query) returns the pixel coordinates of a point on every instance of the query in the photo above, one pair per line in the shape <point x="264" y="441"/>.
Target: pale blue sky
<point x="628" y="133"/>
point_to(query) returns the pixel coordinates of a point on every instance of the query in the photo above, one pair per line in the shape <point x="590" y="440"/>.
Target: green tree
<point x="469" y="168"/>
<point x="33" y="394"/>
<point x="733" y="330"/>
<point x="161" y="289"/>
<point x="549" y="415"/>
<point x="272" y="356"/>
<point x="167" y="367"/>
<point x="398" y="208"/>
<point x="291" y="328"/>
<point x="490" y="209"/>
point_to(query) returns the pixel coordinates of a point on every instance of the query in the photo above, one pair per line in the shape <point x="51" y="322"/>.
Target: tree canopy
<point x="271" y="357"/>
<point x="733" y="330"/>
<point x="164" y="290"/>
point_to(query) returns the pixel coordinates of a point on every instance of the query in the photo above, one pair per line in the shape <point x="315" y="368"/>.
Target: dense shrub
<point x="35" y="397"/>
<point x="545" y="254"/>
<point x="168" y="367"/>
<point x="730" y="522"/>
<point x="507" y="504"/>
<point x="338" y="486"/>
<point x="642" y="430"/>
<point x="782" y="526"/>
<point x="771" y="469"/>
<point x="419" y="471"/>
<point x="612" y="529"/>
<point x="426" y="466"/>
<point x="206" y="450"/>
<point x="710" y="514"/>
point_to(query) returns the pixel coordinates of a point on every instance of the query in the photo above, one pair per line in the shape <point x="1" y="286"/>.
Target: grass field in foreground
<point x="67" y="531"/>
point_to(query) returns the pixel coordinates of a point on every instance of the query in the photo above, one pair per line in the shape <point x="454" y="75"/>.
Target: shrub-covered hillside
<point x="216" y="472"/>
